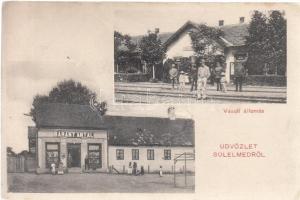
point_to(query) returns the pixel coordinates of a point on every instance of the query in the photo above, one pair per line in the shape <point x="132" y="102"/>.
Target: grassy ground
<point x="97" y="183"/>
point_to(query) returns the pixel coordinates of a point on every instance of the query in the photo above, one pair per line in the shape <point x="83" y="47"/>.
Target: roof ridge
<point x="153" y="117"/>
<point x="75" y="104"/>
<point x="232" y="25"/>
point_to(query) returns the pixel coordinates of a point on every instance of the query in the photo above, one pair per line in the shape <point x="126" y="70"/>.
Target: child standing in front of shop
<point x="160" y="171"/>
<point x="53" y="170"/>
<point x="129" y="169"/>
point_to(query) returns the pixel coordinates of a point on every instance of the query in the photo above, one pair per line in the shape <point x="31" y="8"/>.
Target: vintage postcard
<point x="199" y="58"/>
<point x="150" y="100"/>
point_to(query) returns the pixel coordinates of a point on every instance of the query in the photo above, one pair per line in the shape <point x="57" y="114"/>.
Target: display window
<point x="94" y="156"/>
<point x="52" y="153"/>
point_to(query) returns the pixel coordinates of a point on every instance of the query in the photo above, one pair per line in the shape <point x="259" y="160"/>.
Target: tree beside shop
<point x="67" y="92"/>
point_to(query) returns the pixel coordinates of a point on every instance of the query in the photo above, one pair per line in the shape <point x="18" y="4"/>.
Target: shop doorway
<point x="74" y="155"/>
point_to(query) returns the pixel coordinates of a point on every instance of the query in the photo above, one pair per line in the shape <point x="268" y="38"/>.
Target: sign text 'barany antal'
<point x="74" y="134"/>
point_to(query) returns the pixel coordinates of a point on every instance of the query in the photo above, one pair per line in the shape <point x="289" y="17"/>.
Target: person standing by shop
<point x="70" y="160"/>
<point x="203" y="75"/>
<point x="173" y="73"/>
<point x="86" y="163"/>
<point x="160" y="171"/>
<point x="130" y="169"/>
<point x="134" y="168"/>
<point x="142" y="170"/>
<point x="239" y="75"/>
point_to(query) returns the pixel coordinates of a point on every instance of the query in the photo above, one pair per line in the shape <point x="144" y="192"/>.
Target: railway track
<point x="124" y="93"/>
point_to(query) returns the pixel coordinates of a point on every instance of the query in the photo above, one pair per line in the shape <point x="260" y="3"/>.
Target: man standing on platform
<point x="173" y="73"/>
<point x="203" y="75"/>
<point x="239" y="75"/>
<point x="194" y="74"/>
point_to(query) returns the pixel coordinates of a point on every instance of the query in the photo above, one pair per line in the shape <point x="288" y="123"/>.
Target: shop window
<point x="150" y="154"/>
<point x="135" y="154"/>
<point x="94" y="156"/>
<point x="167" y="154"/>
<point x="120" y="154"/>
<point x="52" y="154"/>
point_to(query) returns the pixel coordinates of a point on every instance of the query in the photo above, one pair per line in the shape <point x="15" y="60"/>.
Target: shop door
<point x="74" y="158"/>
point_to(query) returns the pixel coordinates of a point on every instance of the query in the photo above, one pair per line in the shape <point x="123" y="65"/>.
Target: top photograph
<point x="200" y="56"/>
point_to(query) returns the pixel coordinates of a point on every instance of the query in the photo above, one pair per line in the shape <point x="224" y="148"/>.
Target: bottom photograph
<point x="77" y="148"/>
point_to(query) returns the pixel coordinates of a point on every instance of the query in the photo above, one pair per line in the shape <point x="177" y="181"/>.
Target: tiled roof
<point x="121" y="129"/>
<point x="68" y="115"/>
<point x="162" y="36"/>
<point x="234" y="35"/>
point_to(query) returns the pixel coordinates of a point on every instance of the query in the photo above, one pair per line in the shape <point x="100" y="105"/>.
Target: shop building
<point x="70" y="134"/>
<point x="76" y="135"/>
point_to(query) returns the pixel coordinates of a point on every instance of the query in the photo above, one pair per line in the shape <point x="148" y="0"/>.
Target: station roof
<point x="234" y="35"/>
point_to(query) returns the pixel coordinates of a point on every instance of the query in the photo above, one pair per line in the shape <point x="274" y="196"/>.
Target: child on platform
<point x="182" y="81"/>
<point x="223" y="82"/>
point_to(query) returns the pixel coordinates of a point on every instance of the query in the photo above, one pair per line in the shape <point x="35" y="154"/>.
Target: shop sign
<point x="241" y="56"/>
<point x="74" y="134"/>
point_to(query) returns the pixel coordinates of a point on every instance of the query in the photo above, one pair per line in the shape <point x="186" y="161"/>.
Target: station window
<point x="94" y="155"/>
<point x="120" y="154"/>
<point x="135" y="154"/>
<point x="150" y="154"/>
<point x="52" y="153"/>
<point x="167" y="154"/>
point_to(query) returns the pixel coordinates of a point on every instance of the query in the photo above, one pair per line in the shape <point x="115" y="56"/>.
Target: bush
<point x="270" y="80"/>
<point x="131" y="77"/>
<point x="153" y="80"/>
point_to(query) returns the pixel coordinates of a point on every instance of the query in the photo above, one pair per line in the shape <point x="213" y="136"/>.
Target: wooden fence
<point x="17" y="164"/>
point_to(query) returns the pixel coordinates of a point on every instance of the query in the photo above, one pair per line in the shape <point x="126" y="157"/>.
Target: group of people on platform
<point x="200" y="73"/>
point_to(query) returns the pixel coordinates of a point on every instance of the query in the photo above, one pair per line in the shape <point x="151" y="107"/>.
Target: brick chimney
<point x="221" y="22"/>
<point x="242" y="20"/>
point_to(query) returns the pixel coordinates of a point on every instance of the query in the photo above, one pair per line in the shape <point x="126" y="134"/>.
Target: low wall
<point x="269" y="80"/>
<point x="131" y="77"/>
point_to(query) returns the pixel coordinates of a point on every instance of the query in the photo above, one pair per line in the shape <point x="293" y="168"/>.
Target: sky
<point x="170" y="17"/>
<point x="44" y="43"/>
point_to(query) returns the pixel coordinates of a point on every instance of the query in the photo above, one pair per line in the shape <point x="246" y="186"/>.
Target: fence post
<point x="174" y="173"/>
<point x="185" y="169"/>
